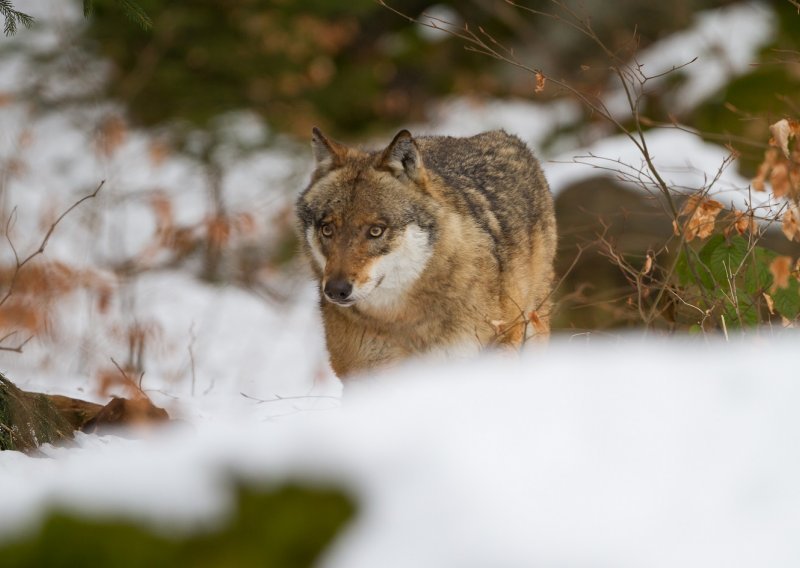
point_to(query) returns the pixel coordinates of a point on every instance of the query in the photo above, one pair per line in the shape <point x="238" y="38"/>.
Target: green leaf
<point x="787" y="300"/>
<point x="756" y="276"/>
<point x="746" y="315"/>
<point x="682" y="269"/>
<point x="726" y="258"/>
<point x="700" y="262"/>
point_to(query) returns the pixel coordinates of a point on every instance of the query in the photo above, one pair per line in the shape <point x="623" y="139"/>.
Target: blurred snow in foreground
<point x="628" y="453"/>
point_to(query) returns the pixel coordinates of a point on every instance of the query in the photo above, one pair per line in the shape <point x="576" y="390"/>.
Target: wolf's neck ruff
<point x="393" y="275"/>
<point x="426" y="245"/>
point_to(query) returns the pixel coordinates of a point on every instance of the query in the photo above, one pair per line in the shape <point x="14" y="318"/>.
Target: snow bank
<point x="630" y="453"/>
<point x="723" y="43"/>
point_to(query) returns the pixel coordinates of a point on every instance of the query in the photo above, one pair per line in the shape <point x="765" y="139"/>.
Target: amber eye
<point x="326" y="230"/>
<point x="375" y="231"/>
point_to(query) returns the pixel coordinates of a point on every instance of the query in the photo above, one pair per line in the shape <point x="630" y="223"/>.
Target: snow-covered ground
<point x="623" y="452"/>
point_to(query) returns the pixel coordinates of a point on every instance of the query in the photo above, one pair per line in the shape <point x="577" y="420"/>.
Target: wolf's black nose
<point x="338" y="290"/>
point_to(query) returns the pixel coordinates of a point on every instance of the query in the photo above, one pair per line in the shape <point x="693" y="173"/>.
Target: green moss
<point x="285" y="528"/>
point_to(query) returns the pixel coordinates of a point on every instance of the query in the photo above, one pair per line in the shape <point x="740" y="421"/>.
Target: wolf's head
<point x="367" y="221"/>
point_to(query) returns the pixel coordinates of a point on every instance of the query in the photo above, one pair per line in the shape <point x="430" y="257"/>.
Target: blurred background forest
<point x="198" y="117"/>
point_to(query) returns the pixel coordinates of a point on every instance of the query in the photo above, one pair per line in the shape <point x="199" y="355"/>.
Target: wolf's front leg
<point x="356" y="349"/>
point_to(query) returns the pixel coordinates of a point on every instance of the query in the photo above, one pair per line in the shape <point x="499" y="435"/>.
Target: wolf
<point x="434" y="245"/>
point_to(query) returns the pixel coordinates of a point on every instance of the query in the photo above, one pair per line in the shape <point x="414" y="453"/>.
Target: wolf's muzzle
<point x="338" y="290"/>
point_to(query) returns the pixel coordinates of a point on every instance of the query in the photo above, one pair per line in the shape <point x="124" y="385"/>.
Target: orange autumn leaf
<point x="158" y="151"/>
<point x="111" y="134"/>
<point x="648" y="265"/>
<point x="540" y="82"/>
<point x="499" y="326"/>
<point x="781" y="269"/>
<point x="779" y="180"/>
<point x="780" y="165"/>
<point x="702" y="213"/>
<point x="218" y="230"/>
<point x="771" y="156"/>
<point x="742" y="223"/>
<point x="789" y="225"/>
<point x="539" y="326"/>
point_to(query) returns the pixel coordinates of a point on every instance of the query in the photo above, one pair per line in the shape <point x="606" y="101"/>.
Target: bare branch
<point x="128" y="380"/>
<point x="20" y="264"/>
<point x="43" y="244"/>
<point x="18" y="348"/>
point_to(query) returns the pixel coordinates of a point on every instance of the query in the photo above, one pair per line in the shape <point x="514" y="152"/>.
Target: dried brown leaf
<point x="779" y="179"/>
<point x="111" y="134"/>
<point x="540" y="82"/>
<point x="742" y="223"/>
<point x="789" y="225"/>
<point x="781" y="132"/>
<point x="770" y="303"/>
<point x="771" y="157"/>
<point x="499" y="326"/>
<point x="539" y="326"/>
<point x="158" y="150"/>
<point x="702" y="213"/>
<point x="218" y="230"/>
<point x="781" y="269"/>
<point x="648" y="265"/>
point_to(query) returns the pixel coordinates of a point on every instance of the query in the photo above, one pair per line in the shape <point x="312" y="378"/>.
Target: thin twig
<point x="20" y="264"/>
<point x="128" y="379"/>
<point x="43" y="244"/>
<point x="279" y="398"/>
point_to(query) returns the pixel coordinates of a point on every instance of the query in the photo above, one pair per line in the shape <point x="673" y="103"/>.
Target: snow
<point x="725" y="42"/>
<point x="686" y="163"/>
<point x="624" y="453"/>
<point x="590" y="452"/>
<point x="721" y="44"/>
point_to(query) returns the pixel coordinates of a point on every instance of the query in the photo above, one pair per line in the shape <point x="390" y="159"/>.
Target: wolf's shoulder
<point x="494" y="149"/>
<point x="478" y="143"/>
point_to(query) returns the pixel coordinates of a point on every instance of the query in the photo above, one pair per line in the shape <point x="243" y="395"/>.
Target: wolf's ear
<point x="402" y="157"/>
<point x="328" y="154"/>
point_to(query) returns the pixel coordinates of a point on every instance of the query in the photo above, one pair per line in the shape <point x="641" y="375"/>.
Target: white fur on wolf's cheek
<point x="316" y="252"/>
<point x="394" y="273"/>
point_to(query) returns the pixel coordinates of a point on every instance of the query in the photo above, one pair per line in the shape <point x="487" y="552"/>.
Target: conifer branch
<point x="13" y="17"/>
<point x="130" y="8"/>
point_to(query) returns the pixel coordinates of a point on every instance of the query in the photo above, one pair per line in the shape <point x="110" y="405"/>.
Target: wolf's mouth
<point x="343" y="303"/>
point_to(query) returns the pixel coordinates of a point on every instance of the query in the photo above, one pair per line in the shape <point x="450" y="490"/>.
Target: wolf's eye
<point x="326" y="230"/>
<point x="375" y="231"/>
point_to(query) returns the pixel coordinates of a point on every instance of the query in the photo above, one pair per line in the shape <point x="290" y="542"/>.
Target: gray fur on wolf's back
<point x="496" y="179"/>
